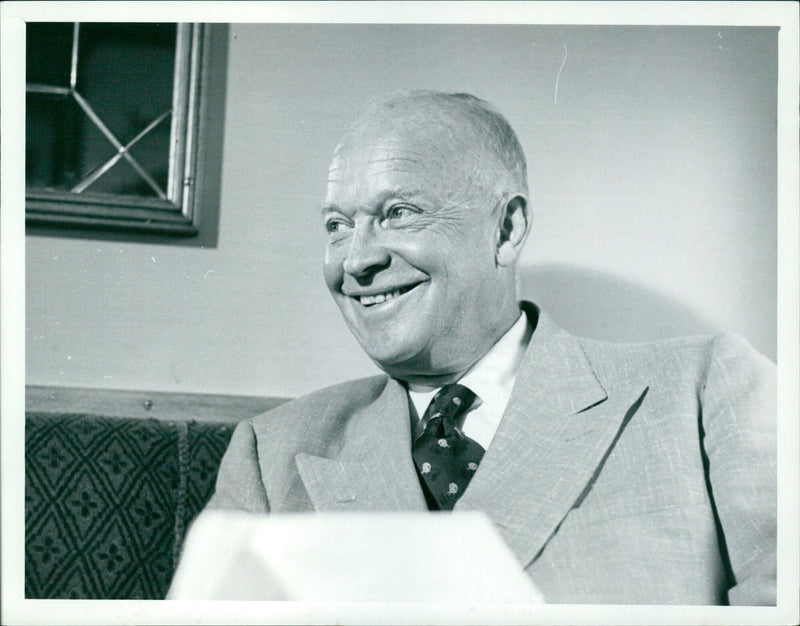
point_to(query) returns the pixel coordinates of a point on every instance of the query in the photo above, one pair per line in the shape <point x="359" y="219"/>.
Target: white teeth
<point x="379" y="298"/>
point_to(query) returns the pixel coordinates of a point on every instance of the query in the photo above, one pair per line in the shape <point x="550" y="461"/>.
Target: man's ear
<point x="512" y="230"/>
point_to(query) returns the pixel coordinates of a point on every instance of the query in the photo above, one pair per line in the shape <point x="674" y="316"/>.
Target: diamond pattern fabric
<point x="108" y="501"/>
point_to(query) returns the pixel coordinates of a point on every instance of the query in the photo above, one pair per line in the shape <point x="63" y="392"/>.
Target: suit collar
<point x="374" y="470"/>
<point x="557" y="429"/>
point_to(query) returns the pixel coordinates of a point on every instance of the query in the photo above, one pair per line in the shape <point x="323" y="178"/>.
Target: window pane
<point x="125" y="72"/>
<point x="122" y="179"/>
<point x="49" y="52"/>
<point x="105" y="149"/>
<point x="123" y="95"/>
<point x="52" y="137"/>
<point x="149" y="151"/>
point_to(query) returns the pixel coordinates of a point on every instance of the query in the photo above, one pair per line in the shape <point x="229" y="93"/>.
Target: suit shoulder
<point x="338" y="400"/>
<point x="722" y="343"/>
<point x="693" y="356"/>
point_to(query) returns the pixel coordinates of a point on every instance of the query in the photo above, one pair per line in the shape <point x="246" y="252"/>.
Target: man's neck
<point x="491" y="379"/>
<point x="429" y="381"/>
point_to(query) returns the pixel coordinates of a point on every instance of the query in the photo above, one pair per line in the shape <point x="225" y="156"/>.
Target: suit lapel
<point x="558" y="426"/>
<point x="374" y="471"/>
<point x="557" y="429"/>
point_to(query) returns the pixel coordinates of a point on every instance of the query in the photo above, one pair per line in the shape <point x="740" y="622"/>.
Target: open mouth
<point x="381" y="298"/>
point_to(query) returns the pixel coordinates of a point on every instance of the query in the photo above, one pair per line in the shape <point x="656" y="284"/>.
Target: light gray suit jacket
<point x="620" y="473"/>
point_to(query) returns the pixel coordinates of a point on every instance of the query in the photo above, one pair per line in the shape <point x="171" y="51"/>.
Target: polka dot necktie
<point x="446" y="459"/>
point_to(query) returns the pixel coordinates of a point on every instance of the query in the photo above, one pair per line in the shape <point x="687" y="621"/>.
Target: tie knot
<point x="449" y="402"/>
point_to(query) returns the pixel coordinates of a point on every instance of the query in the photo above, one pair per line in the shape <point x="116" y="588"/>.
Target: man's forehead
<point x="375" y="158"/>
<point x="397" y="147"/>
<point x="374" y="176"/>
<point x="403" y="152"/>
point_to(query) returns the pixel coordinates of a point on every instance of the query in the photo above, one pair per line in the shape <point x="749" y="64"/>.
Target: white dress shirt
<point x="491" y="379"/>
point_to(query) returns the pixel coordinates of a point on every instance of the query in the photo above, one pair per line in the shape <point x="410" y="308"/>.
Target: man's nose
<point x="365" y="255"/>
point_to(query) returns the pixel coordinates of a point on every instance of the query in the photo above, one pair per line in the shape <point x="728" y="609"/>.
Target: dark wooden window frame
<point x="190" y="203"/>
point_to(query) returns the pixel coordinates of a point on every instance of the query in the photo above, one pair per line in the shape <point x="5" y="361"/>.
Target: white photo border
<point x="17" y="610"/>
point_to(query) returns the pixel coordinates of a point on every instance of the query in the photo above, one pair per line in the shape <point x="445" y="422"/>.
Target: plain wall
<point x="652" y="166"/>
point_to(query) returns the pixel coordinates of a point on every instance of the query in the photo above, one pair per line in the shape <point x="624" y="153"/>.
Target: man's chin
<point x="386" y="341"/>
<point x="401" y="361"/>
<point x="390" y="359"/>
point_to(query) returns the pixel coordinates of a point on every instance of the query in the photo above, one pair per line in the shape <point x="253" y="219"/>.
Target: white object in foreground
<point x="323" y="557"/>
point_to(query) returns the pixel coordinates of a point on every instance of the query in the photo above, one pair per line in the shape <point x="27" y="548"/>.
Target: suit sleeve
<point x="739" y="422"/>
<point x="239" y="485"/>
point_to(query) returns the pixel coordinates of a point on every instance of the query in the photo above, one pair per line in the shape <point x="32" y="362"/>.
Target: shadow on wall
<point x="592" y="304"/>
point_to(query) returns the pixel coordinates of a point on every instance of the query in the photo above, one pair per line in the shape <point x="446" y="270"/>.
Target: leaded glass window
<point x="114" y="116"/>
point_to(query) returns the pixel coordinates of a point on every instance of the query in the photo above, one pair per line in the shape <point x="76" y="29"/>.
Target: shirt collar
<point x="492" y="377"/>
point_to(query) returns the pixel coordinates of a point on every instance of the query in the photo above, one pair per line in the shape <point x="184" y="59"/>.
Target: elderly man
<point x="615" y="473"/>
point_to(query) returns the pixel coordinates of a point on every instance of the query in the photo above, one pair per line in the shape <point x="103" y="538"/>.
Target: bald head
<point x="471" y="144"/>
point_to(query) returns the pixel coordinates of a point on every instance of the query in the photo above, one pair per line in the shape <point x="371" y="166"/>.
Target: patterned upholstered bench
<point x="108" y="499"/>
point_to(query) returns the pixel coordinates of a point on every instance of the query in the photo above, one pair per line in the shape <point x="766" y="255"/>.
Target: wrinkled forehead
<point x="367" y="175"/>
<point x="380" y="155"/>
<point x="405" y="150"/>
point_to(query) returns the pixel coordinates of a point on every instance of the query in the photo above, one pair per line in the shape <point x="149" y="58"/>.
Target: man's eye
<point x="398" y="212"/>
<point x="333" y="226"/>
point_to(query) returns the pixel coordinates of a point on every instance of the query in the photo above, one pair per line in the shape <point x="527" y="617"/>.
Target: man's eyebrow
<point x="393" y="158"/>
<point x="399" y="193"/>
<point x="327" y="209"/>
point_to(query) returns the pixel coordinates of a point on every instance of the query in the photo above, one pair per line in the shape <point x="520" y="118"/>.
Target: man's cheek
<point x="332" y="270"/>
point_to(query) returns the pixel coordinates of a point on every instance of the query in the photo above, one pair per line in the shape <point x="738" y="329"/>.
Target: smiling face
<point x="411" y="258"/>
